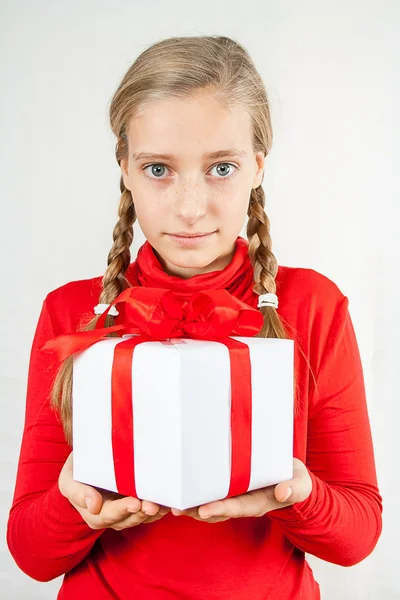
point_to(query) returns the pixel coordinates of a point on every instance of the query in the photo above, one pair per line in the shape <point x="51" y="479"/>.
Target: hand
<point x="106" y="509"/>
<point x="255" y="503"/>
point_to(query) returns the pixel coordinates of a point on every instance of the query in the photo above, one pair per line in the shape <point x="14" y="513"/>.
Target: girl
<point x="193" y="128"/>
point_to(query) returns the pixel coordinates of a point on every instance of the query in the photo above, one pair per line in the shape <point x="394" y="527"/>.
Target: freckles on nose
<point x="191" y="208"/>
<point x="190" y="201"/>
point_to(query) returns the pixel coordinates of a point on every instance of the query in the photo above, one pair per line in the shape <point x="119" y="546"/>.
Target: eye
<point x="156" y="168"/>
<point x="224" y="169"/>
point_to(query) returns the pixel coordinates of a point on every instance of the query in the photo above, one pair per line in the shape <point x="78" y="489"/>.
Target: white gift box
<point x="181" y="417"/>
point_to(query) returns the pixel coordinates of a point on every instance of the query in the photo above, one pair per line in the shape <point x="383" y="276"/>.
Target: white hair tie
<point x="100" y="308"/>
<point x="263" y="300"/>
<point x="268" y="300"/>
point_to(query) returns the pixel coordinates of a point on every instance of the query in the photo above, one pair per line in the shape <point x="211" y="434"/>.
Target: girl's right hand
<point x="106" y="509"/>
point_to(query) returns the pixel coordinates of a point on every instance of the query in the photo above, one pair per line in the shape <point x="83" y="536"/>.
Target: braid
<point x="265" y="268"/>
<point x="113" y="283"/>
<point x="119" y="257"/>
<point x="264" y="262"/>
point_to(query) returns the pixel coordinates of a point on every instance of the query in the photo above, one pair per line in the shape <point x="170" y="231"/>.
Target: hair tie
<point x="263" y="300"/>
<point x="100" y="308"/>
<point x="268" y="300"/>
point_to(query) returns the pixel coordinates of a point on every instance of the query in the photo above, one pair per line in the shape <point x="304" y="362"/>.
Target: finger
<point x="161" y="513"/>
<point x="116" y="510"/>
<point x="136" y="519"/>
<point x="129" y="520"/>
<point x="85" y="496"/>
<point x="139" y="517"/>
<point x="296" y="489"/>
<point x="194" y="513"/>
<point x="150" y="508"/>
<point x="164" y="510"/>
<point x="79" y="494"/>
<point x="284" y="491"/>
<point x="189" y="512"/>
<point x="252" y="503"/>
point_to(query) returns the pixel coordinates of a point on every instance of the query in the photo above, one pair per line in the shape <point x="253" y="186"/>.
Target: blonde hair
<point x="174" y="68"/>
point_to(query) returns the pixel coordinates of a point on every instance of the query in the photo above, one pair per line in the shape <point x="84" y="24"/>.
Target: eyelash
<point x="162" y="165"/>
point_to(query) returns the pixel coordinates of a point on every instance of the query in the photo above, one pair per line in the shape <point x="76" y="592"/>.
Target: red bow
<point x="157" y="314"/>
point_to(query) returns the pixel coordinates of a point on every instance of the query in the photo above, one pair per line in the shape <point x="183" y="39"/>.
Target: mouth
<point x="190" y="239"/>
<point x="196" y="234"/>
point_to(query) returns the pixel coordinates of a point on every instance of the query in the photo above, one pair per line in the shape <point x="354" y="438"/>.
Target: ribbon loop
<point x="159" y="314"/>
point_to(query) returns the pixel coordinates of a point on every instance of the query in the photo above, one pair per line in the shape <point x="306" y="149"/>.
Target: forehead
<point x="197" y="125"/>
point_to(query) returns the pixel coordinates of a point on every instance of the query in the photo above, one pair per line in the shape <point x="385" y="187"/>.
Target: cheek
<point x="150" y="212"/>
<point x="233" y="210"/>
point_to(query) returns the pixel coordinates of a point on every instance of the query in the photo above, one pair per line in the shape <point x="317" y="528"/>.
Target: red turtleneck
<point x="179" y="558"/>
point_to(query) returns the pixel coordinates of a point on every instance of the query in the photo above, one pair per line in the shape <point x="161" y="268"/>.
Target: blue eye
<point x="156" y="169"/>
<point x="224" y="171"/>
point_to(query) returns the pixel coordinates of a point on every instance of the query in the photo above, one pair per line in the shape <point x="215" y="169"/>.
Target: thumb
<point x="283" y="491"/>
<point x="86" y="496"/>
<point x="295" y="489"/>
<point x="80" y="494"/>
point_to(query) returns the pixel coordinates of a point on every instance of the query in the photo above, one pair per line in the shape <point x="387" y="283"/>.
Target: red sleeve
<point x="46" y="535"/>
<point x="341" y="520"/>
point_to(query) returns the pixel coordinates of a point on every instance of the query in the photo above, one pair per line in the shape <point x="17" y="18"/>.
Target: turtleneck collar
<point x="236" y="277"/>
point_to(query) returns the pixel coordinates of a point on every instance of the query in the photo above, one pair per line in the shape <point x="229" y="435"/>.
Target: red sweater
<point x="177" y="557"/>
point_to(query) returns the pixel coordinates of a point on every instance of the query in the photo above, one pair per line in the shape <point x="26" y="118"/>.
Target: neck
<point x="236" y="276"/>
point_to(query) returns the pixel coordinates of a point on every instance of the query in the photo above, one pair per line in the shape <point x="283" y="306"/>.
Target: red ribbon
<point x="157" y="314"/>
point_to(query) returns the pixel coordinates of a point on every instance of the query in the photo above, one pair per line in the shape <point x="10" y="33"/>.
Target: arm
<point x="341" y="520"/>
<point x="46" y="535"/>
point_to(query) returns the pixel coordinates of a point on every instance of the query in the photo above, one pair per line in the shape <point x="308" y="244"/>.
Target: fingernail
<point x="289" y="493"/>
<point x="88" y="502"/>
<point x="205" y="515"/>
<point x="151" y="511"/>
<point x="176" y="512"/>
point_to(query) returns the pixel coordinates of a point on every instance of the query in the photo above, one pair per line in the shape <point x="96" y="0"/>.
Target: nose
<point x="191" y="203"/>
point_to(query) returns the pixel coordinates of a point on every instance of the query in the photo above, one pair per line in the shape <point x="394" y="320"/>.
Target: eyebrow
<point x="217" y="154"/>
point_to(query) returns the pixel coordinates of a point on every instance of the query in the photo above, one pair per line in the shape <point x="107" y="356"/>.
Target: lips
<point x="190" y="235"/>
<point x="190" y="240"/>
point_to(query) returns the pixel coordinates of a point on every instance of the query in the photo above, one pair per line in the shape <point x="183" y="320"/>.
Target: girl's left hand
<point x="256" y="502"/>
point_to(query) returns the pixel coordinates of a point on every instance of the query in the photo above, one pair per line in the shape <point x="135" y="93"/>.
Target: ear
<point x="259" y="169"/>
<point x="125" y="172"/>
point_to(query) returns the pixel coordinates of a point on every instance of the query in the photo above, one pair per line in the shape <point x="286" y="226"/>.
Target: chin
<point x="195" y="259"/>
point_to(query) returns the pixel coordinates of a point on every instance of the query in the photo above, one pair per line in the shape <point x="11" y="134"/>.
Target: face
<point x="190" y="169"/>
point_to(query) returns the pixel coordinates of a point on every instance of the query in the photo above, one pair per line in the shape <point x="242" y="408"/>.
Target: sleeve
<point x="46" y="535"/>
<point x="341" y="520"/>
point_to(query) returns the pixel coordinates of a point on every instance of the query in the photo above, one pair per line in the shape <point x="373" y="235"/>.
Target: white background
<point x="331" y="183"/>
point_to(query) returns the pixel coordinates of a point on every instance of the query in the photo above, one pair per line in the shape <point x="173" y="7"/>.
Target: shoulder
<point x="308" y="283"/>
<point x="73" y="302"/>
<point x="309" y="299"/>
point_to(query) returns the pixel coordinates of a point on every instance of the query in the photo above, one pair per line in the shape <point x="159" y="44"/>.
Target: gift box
<point x="185" y="406"/>
<point x="179" y="410"/>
